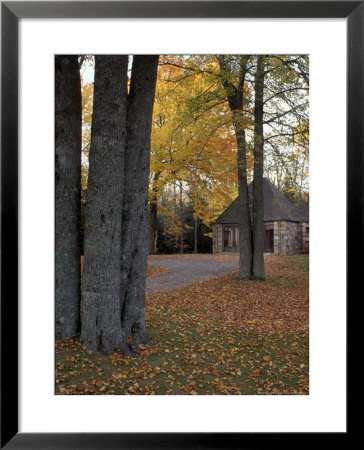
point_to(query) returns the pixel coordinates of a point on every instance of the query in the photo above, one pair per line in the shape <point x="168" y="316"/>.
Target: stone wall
<point x="293" y="240"/>
<point x="287" y="237"/>
<point x="217" y="239"/>
<point x="305" y="236"/>
<point x="279" y="230"/>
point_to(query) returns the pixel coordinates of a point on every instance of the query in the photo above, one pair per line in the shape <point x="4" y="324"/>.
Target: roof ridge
<point x="276" y="205"/>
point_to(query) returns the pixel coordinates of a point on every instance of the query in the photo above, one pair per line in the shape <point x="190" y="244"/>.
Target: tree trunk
<point x="153" y="232"/>
<point x="68" y="194"/>
<point x="181" y="218"/>
<point x="175" y="216"/>
<point x="235" y="97"/>
<point x="153" y="217"/>
<point x="195" y="236"/>
<point x="101" y="309"/>
<point x="134" y="238"/>
<point x="245" y="249"/>
<point x="258" y="209"/>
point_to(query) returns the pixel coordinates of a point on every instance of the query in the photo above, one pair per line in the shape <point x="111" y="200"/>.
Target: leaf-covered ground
<point x="222" y="336"/>
<point x="155" y="271"/>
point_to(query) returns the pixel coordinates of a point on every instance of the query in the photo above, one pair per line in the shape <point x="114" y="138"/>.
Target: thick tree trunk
<point x="68" y="194"/>
<point x="134" y="239"/>
<point x="101" y="309"/>
<point x="258" y="209"/>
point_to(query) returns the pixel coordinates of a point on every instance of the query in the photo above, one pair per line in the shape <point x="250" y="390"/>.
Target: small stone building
<point x="286" y="225"/>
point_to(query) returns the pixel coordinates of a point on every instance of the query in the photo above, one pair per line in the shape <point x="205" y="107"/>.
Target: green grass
<point x="300" y="262"/>
<point x="262" y="348"/>
<point x="242" y="364"/>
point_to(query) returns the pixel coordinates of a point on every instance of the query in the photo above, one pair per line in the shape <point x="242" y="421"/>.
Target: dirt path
<point x="188" y="269"/>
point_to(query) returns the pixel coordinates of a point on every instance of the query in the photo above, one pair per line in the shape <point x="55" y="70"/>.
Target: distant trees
<point x="286" y="123"/>
<point x="218" y="116"/>
<point x="267" y="96"/>
<point x="193" y="154"/>
<point x="177" y="216"/>
<point x="153" y="216"/>
<point x="67" y="195"/>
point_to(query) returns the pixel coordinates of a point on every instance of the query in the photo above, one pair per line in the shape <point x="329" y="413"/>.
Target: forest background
<point x="195" y="145"/>
<point x="193" y="171"/>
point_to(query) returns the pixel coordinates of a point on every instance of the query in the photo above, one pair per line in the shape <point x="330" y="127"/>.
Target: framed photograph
<point x="331" y="34"/>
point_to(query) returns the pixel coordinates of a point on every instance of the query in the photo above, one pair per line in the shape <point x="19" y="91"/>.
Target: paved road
<point x="185" y="270"/>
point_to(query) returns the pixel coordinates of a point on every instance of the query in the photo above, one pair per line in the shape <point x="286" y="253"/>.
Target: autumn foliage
<point x="221" y="336"/>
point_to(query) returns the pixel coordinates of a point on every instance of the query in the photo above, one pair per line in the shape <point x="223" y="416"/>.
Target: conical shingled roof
<point x="231" y="213"/>
<point x="276" y="205"/>
<point x="301" y="211"/>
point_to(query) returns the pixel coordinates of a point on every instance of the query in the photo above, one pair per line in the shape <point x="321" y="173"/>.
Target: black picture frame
<point x="11" y="12"/>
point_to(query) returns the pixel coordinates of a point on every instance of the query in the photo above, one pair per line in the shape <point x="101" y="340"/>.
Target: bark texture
<point x="235" y="97"/>
<point x="181" y="243"/>
<point x="245" y="248"/>
<point x="153" y="217"/>
<point x="153" y="233"/>
<point x="195" y="235"/>
<point x="134" y="236"/>
<point x="258" y="208"/>
<point x="68" y="194"/>
<point x="101" y="310"/>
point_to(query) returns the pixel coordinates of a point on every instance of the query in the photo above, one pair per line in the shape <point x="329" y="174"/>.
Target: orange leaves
<point x="257" y="307"/>
<point x="191" y="135"/>
<point x="219" y="337"/>
<point x="154" y="270"/>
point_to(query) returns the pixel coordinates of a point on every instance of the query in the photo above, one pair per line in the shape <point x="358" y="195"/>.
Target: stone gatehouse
<point x="286" y="225"/>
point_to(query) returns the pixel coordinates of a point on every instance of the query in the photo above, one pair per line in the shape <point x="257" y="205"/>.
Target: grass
<point x="301" y="262"/>
<point x="222" y="336"/>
